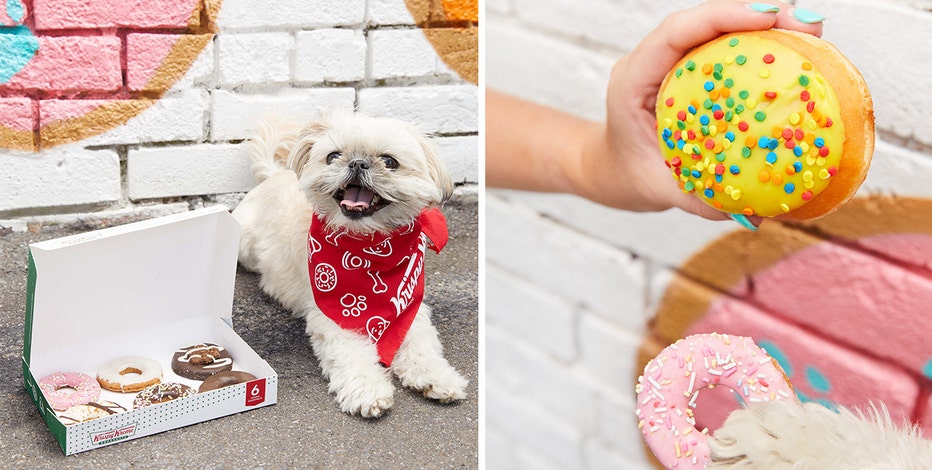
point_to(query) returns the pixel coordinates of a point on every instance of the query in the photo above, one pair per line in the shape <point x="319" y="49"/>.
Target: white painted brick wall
<point x="402" y="53"/>
<point x="447" y="109"/>
<point x="546" y="255"/>
<point x="162" y="172"/>
<point x="234" y="115"/>
<point x="254" y="58"/>
<point x="291" y="57"/>
<point x="330" y="55"/>
<point x="65" y="176"/>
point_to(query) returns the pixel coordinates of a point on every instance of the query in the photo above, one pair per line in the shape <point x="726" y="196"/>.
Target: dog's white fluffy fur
<point x="785" y="434"/>
<point x="300" y="168"/>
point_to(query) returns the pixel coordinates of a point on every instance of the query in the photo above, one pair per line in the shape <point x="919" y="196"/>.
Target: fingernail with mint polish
<point x="763" y="7"/>
<point x="807" y="16"/>
<point x="743" y="221"/>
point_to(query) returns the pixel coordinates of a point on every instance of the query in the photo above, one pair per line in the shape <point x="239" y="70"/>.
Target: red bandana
<point x="373" y="284"/>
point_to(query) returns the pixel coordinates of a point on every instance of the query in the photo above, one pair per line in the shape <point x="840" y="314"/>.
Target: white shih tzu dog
<point x="337" y="228"/>
<point x="787" y="434"/>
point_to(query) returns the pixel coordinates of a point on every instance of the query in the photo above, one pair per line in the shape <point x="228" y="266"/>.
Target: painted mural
<point x="842" y="303"/>
<point x="71" y="69"/>
<point x="451" y="26"/>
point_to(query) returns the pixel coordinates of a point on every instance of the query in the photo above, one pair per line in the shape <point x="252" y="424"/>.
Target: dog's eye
<point x="389" y="161"/>
<point x="332" y="156"/>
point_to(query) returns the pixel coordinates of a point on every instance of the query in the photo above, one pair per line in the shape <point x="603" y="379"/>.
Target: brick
<point x="600" y="457"/>
<point x="398" y="53"/>
<point x="602" y="344"/>
<point x="330" y="55"/>
<point x="602" y="22"/>
<point x="519" y="366"/>
<point x="161" y="172"/>
<point x="59" y="178"/>
<point x="459" y="11"/>
<point x="657" y="235"/>
<point x="17" y="121"/>
<point x="617" y="437"/>
<point x="926" y="418"/>
<point x="898" y="171"/>
<point x="852" y="379"/>
<point x="460" y="154"/>
<point x="435" y="109"/>
<point x="551" y="441"/>
<point x="13" y="13"/>
<point x="576" y="76"/>
<point x="255" y="58"/>
<point x="894" y="68"/>
<point x="838" y="291"/>
<point x="391" y="12"/>
<point x="458" y="49"/>
<point x="517" y="306"/>
<point x="177" y="118"/>
<point x="77" y="14"/>
<point x="154" y="62"/>
<point x="573" y="267"/>
<point x="71" y="64"/>
<point x="250" y="14"/>
<point x="894" y="226"/>
<point x="235" y="115"/>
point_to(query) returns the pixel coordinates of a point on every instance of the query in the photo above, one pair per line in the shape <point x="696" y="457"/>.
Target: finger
<point x="663" y="47"/>
<point x="799" y="19"/>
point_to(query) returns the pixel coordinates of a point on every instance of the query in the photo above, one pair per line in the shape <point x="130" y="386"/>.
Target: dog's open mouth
<point x="357" y="201"/>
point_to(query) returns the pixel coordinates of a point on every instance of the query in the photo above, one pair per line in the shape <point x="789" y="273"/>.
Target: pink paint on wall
<point x="855" y="299"/>
<point x="17" y="113"/>
<point x="71" y="64"/>
<point x="68" y="57"/>
<point x="849" y="324"/>
<point x="79" y="14"/>
<point x="820" y="370"/>
<point x="144" y="54"/>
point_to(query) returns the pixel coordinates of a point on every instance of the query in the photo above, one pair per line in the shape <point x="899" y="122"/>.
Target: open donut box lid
<point x="142" y="289"/>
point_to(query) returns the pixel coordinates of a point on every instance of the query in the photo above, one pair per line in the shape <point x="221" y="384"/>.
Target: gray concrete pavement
<point x="305" y="429"/>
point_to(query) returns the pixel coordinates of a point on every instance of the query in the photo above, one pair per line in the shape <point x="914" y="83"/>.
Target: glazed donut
<point x="199" y="361"/>
<point x="161" y="393"/>
<point x="671" y="383"/>
<point x="89" y="411"/>
<point x="771" y="123"/>
<point x="129" y="374"/>
<point x="225" y="379"/>
<point x="66" y="389"/>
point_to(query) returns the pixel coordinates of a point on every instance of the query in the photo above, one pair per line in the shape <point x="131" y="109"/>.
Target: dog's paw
<point x="368" y="398"/>
<point x="448" y="390"/>
<point x="440" y="381"/>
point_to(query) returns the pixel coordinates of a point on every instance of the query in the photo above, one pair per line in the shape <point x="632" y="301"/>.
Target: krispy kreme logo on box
<point x="114" y="435"/>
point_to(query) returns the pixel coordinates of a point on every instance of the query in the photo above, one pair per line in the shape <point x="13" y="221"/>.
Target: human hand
<point x="621" y="165"/>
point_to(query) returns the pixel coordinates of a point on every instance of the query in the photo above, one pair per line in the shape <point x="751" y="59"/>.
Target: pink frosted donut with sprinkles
<point x="671" y="383"/>
<point x="62" y="390"/>
<point x="767" y="123"/>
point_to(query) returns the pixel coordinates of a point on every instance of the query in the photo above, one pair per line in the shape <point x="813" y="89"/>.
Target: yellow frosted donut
<point x="769" y="123"/>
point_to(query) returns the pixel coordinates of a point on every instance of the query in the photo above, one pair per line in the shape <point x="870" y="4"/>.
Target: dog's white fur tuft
<point x="785" y="434"/>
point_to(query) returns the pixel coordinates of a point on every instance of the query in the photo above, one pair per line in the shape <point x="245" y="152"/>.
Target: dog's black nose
<point x="359" y="164"/>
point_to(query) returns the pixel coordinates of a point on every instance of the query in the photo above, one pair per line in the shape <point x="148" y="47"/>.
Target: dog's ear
<point x="436" y="168"/>
<point x="309" y="136"/>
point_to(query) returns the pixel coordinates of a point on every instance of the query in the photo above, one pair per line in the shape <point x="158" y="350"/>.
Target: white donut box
<point x="142" y="289"/>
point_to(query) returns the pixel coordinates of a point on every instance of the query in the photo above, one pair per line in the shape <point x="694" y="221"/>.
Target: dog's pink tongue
<point x="356" y="198"/>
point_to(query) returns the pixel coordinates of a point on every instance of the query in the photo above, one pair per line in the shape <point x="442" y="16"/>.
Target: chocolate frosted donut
<point x="225" y="379"/>
<point x="160" y="393"/>
<point x="199" y="361"/>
